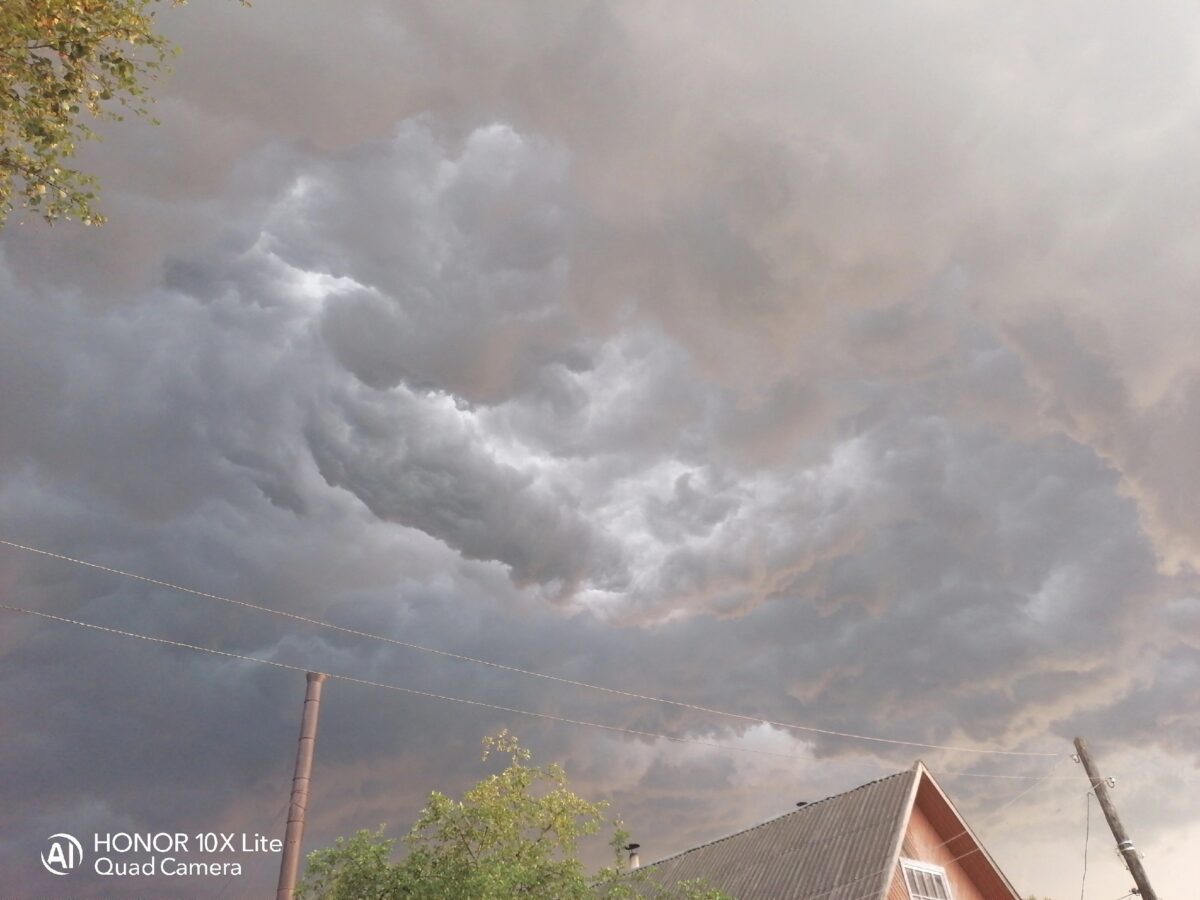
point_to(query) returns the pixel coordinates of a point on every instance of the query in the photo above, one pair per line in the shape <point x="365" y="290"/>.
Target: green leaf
<point x="514" y="834"/>
<point x="58" y="58"/>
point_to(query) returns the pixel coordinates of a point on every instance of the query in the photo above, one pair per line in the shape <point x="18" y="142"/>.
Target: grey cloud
<point x="462" y="254"/>
<point x="689" y="509"/>
<point x="425" y="470"/>
<point x="829" y="367"/>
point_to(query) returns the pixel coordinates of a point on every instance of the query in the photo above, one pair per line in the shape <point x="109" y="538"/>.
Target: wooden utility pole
<point x="294" y="835"/>
<point x="1124" y="844"/>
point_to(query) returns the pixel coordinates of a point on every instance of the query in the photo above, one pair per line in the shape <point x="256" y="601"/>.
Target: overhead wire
<point x="812" y="729"/>
<point x="1087" y="834"/>
<point x="1048" y="776"/>
<point x="270" y="827"/>
<point x="834" y="836"/>
<point x="874" y="892"/>
<point x="1036" y="780"/>
<point x="465" y="701"/>
<point x="394" y="687"/>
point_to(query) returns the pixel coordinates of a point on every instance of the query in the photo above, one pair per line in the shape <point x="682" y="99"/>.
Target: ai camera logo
<point x="65" y="854"/>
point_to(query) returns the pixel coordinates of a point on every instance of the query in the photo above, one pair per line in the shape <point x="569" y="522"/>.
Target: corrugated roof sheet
<point x="837" y="848"/>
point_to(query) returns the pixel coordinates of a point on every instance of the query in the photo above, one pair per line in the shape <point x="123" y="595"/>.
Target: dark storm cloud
<point x="409" y="468"/>
<point x="462" y="258"/>
<point x="829" y="368"/>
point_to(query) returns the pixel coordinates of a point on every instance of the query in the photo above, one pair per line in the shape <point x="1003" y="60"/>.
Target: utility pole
<point x="300" y="781"/>
<point x="1124" y="844"/>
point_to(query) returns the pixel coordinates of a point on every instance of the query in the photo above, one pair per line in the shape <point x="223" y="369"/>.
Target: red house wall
<point x="933" y="835"/>
<point x="922" y="842"/>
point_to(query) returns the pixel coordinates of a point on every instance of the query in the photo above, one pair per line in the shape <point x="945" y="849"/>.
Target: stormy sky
<point x="830" y="365"/>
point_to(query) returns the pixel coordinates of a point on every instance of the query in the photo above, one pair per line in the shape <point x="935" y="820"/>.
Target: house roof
<point x="839" y="848"/>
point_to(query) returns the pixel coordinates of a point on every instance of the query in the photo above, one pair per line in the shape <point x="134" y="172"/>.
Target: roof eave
<point x="968" y="831"/>
<point x="885" y="882"/>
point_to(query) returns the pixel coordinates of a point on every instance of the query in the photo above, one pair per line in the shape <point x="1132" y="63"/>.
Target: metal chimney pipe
<point x="294" y="835"/>
<point x="635" y="861"/>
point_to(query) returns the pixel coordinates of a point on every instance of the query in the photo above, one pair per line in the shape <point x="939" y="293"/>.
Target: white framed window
<point x="925" y="881"/>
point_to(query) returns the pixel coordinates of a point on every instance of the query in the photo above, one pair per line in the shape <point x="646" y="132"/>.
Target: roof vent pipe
<point x="634" y="861"/>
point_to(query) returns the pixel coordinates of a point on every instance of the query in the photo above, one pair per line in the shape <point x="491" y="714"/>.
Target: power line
<point x="394" y="687"/>
<point x="267" y="830"/>
<point x="495" y="665"/>
<point x="1087" y="833"/>
<point x="479" y="703"/>
<point x="849" y="832"/>
<point x="874" y="893"/>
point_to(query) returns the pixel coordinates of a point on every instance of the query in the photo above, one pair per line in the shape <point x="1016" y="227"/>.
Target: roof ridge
<point x="772" y="820"/>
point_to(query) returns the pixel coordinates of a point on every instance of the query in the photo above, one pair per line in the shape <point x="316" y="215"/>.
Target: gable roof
<point x="959" y="842"/>
<point x="839" y="848"/>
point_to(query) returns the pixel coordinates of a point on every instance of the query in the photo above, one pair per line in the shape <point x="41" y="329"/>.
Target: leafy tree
<point x="59" y="59"/>
<point x="514" y="834"/>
